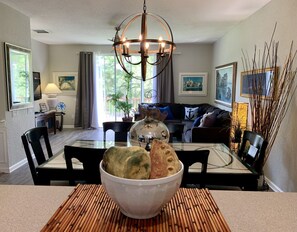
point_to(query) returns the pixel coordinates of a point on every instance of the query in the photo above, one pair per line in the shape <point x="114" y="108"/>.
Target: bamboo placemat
<point x="89" y="208"/>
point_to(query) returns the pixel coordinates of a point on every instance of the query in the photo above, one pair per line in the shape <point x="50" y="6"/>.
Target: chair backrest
<point x="33" y="138"/>
<point x="120" y="129"/>
<point x="252" y="150"/>
<point x="211" y="135"/>
<point x="90" y="158"/>
<point x="190" y="157"/>
<point x="176" y="130"/>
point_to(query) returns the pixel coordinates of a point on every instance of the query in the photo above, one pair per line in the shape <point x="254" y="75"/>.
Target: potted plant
<point x="117" y="98"/>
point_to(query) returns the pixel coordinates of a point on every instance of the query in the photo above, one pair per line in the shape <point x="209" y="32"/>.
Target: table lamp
<point x="52" y="90"/>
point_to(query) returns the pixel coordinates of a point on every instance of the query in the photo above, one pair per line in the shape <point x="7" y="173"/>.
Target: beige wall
<point x="40" y="63"/>
<point x="187" y="58"/>
<point x="281" y="167"/>
<point x="14" y="29"/>
<point x="192" y="58"/>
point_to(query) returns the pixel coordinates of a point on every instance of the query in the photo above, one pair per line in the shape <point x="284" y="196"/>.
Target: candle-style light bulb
<point x="160" y="44"/>
<point x="140" y="37"/>
<point x="127" y="47"/>
<point x="163" y="47"/>
<point x="147" y="45"/>
<point x="124" y="46"/>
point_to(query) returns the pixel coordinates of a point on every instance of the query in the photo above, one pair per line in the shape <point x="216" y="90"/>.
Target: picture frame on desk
<point x="66" y="81"/>
<point x="43" y="107"/>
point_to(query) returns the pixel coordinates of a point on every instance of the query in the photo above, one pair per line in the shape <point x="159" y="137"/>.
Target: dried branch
<point x="268" y="111"/>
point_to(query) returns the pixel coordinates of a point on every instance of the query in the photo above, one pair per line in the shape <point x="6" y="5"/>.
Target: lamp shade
<point x="52" y="90"/>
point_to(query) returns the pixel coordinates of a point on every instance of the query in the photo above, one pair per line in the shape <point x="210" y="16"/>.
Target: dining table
<point x="28" y="208"/>
<point x="224" y="167"/>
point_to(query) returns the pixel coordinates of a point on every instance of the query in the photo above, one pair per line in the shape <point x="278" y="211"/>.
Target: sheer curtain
<point x="165" y="83"/>
<point x="100" y="96"/>
<point x="85" y="113"/>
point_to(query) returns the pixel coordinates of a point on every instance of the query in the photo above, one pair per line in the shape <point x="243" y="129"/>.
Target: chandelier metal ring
<point x="143" y="47"/>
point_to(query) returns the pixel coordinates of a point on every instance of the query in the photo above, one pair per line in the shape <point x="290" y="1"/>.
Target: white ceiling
<point x="93" y="21"/>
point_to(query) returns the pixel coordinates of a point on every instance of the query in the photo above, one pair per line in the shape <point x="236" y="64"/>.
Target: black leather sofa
<point x="217" y="132"/>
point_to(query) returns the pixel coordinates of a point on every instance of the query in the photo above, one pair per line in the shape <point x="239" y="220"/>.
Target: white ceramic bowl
<point x="141" y="199"/>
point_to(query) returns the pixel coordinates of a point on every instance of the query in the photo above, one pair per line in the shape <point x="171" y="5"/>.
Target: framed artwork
<point x="66" y="81"/>
<point x="258" y="82"/>
<point x="192" y="84"/>
<point x="37" y="86"/>
<point x="225" y="83"/>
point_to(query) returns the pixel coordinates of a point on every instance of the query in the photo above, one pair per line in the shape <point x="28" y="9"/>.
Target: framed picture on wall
<point x="192" y="84"/>
<point x="66" y="81"/>
<point x="225" y="83"/>
<point x="258" y="82"/>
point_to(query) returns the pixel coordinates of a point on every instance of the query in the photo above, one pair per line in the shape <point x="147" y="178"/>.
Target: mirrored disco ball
<point x="144" y="131"/>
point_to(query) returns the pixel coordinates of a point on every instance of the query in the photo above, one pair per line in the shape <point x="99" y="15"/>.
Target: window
<point x="109" y="79"/>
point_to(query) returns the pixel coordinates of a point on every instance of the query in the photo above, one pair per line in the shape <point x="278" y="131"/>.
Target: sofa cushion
<point x="191" y="113"/>
<point x="208" y="120"/>
<point x="167" y="110"/>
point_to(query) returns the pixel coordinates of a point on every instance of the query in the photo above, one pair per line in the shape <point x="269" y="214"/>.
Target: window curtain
<point x="164" y="83"/>
<point x="85" y="100"/>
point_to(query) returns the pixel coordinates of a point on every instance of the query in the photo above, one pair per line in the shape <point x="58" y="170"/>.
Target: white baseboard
<point x="273" y="186"/>
<point x="68" y="126"/>
<point x="13" y="167"/>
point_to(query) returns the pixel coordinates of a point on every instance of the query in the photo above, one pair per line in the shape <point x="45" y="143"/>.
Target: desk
<point x="243" y="211"/>
<point x="47" y="119"/>
<point x="224" y="168"/>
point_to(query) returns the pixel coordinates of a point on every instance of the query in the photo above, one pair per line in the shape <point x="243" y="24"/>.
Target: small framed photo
<point x="43" y="107"/>
<point x="192" y="84"/>
<point x="259" y="82"/>
<point x="66" y="81"/>
<point x="225" y="83"/>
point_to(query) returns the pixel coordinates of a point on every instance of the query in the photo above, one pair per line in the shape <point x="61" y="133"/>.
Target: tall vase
<point x="144" y="131"/>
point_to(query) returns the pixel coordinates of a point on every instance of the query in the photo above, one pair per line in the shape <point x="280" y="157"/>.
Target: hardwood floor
<point x="22" y="176"/>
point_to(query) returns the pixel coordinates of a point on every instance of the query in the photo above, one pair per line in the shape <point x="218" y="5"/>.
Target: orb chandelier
<point x="134" y="48"/>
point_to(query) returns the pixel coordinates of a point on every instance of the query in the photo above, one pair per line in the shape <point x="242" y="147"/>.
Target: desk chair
<point x="33" y="137"/>
<point x="120" y="129"/>
<point x="90" y="158"/>
<point x="188" y="158"/>
<point x="252" y="150"/>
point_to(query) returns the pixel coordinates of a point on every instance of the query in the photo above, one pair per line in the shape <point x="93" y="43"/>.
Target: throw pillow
<point x="191" y="113"/>
<point x="208" y="120"/>
<point x="167" y="110"/>
<point x="196" y="123"/>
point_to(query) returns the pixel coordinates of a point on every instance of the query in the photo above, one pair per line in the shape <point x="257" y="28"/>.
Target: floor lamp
<point x="51" y="90"/>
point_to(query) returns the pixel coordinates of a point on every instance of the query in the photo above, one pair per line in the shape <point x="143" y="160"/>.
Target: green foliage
<point x="121" y="99"/>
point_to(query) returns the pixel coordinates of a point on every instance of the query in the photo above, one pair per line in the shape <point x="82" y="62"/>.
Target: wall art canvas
<point x="66" y="81"/>
<point x="192" y="84"/>
<point x="225" y="84"/>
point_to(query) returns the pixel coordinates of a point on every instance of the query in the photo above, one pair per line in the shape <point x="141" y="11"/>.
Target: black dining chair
<point x="252" y="150"/>
<point x="188" y="158"/>
<point x="176" y="131"/>
<point x="120" y="129"/>
<point x="90" y="159"/>
<point x="33" y="138"/>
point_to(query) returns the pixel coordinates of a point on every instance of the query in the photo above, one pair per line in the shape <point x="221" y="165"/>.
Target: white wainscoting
<point x="4" y="166"/>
